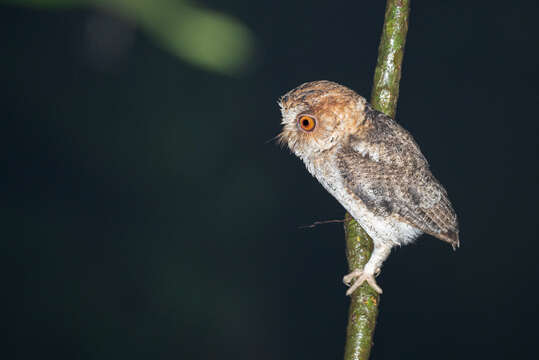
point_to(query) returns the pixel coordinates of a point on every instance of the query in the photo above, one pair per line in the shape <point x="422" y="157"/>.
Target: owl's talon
<point x="360" y="277"/>
<point x="347" y="279"/>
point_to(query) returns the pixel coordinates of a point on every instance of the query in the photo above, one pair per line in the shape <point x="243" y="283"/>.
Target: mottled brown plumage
<point x="371" y="165"/>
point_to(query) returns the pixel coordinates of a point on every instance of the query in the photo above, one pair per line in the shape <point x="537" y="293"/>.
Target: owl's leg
<point x="372" y="268"/>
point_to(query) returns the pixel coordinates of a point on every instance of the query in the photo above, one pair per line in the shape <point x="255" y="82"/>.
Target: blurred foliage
<point x="203" y="37"/>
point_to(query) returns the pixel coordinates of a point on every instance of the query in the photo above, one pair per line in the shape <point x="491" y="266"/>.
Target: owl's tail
<point x="450" y="236"/>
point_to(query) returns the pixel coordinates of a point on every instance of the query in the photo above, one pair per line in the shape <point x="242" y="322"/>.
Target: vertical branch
<point x="387" y="75"/>
<point x="364" y="301"/>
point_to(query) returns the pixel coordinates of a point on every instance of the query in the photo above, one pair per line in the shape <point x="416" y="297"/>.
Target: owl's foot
<point x="360" y="277"/>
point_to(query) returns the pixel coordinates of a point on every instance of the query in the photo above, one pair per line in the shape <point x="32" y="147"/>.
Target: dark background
<point x="146" y="216"/>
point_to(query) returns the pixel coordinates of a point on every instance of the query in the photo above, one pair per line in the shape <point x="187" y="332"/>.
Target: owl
<point x="371" y="165"/>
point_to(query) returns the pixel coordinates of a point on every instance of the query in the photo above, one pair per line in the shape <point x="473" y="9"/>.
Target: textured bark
<point x="364" y="301"/>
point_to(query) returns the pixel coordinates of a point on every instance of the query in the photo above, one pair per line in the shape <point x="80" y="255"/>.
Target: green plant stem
<point x="387" y="74"/>
<point x="364" y="301"/>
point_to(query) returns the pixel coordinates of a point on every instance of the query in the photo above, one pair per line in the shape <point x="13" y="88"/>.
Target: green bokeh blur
<point x="202" y="37"/>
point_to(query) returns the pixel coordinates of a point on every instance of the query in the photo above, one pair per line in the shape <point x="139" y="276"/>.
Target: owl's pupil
<point x="305" y="122"/>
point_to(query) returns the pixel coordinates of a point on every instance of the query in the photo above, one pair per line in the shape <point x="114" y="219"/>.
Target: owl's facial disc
<point x="317" y="116"/>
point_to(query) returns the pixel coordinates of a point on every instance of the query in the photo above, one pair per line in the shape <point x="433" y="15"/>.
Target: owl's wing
<point x="400" y="186"/>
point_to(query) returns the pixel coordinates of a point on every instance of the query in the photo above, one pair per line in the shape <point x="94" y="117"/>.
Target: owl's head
<point x="319" y="115"/>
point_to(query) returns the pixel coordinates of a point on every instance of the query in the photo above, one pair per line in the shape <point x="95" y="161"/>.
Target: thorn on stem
<point x="320" y="223"/>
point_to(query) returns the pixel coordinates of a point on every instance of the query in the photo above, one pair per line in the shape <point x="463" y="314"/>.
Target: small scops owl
<point x="371" y="165"/>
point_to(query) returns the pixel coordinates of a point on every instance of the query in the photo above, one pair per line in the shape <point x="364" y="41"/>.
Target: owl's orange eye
<point x="307" y="123"/>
